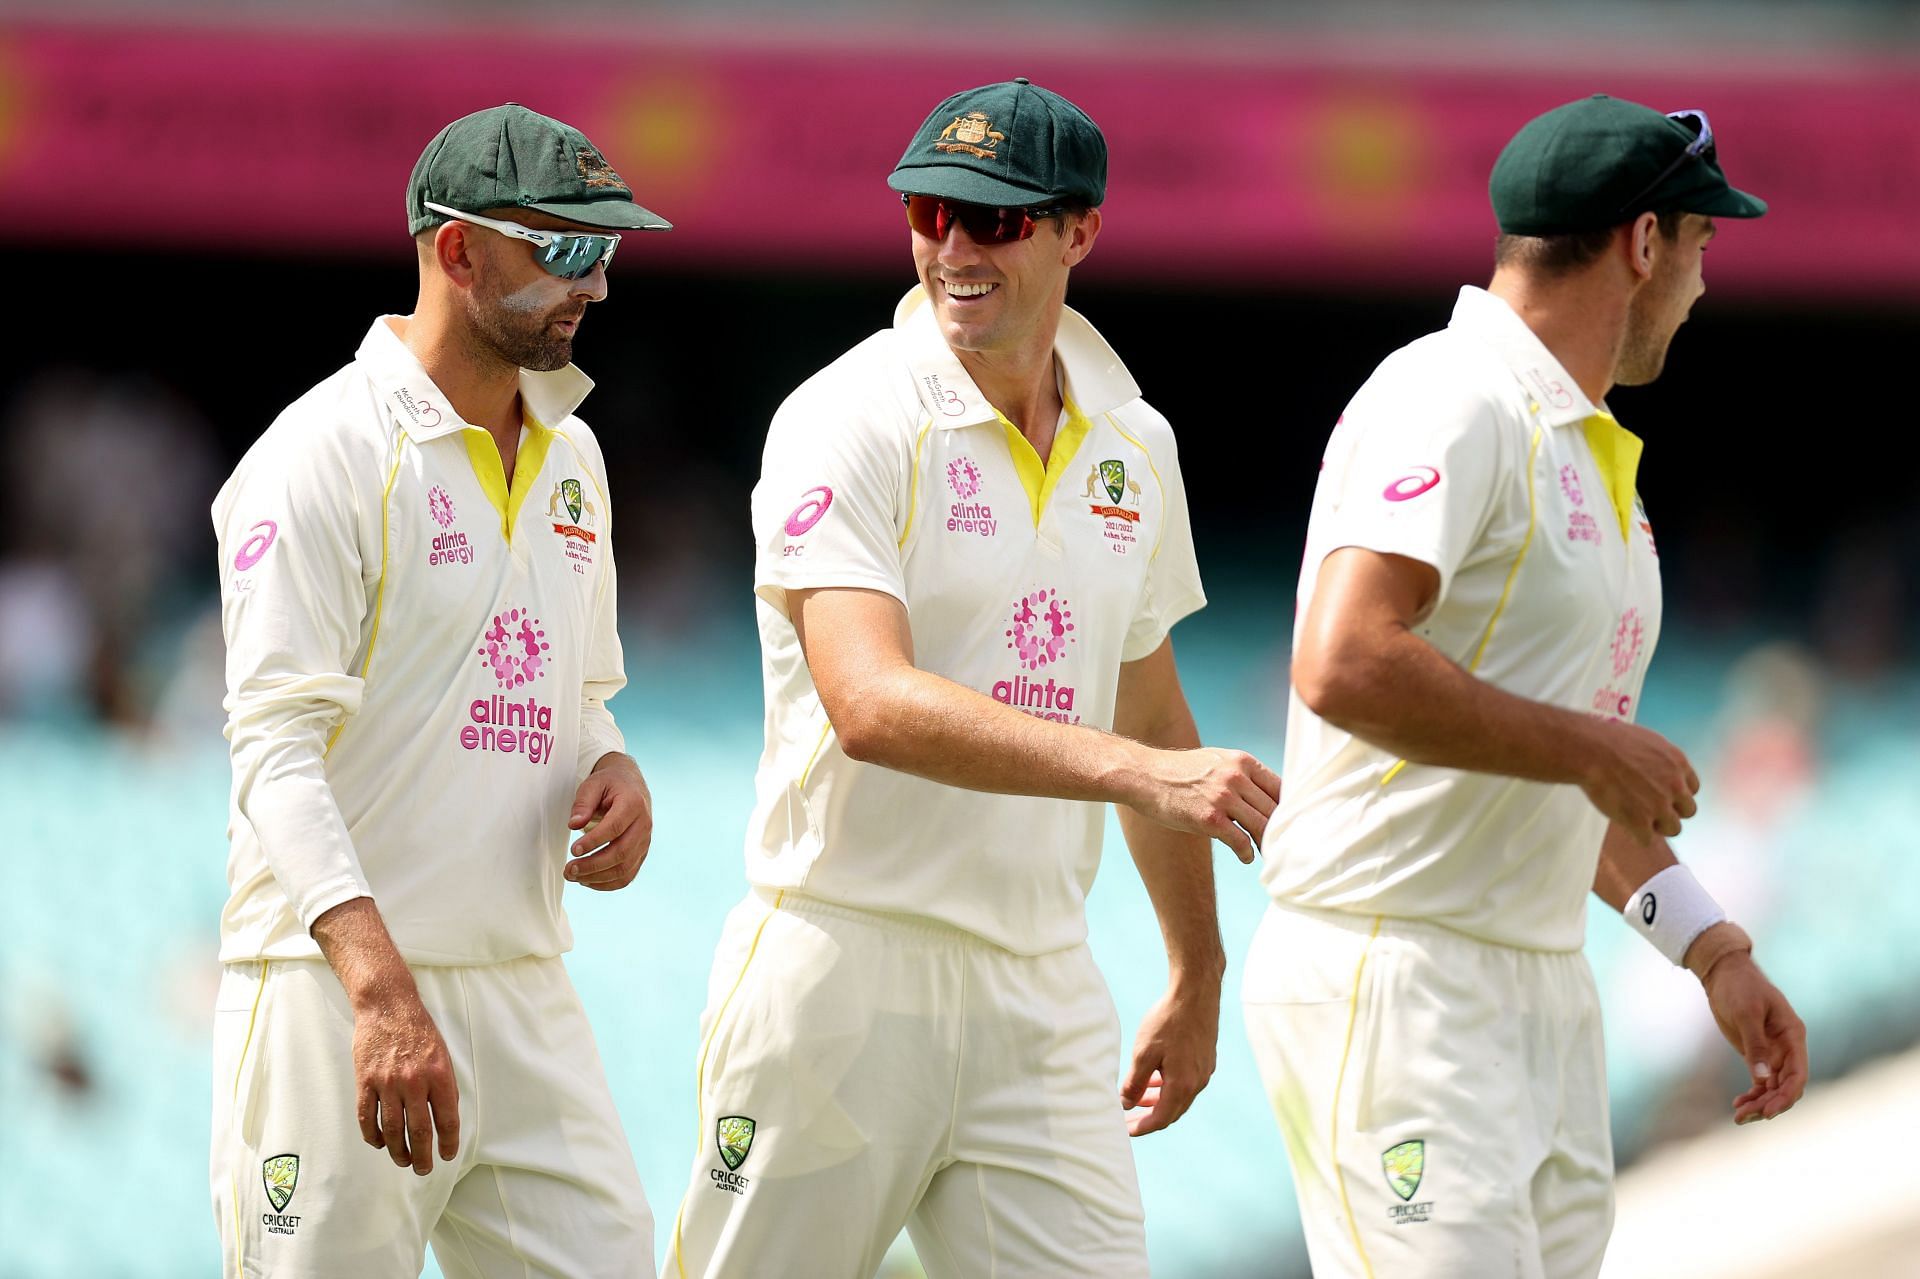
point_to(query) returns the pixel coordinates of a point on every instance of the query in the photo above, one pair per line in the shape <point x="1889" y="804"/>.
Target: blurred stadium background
<point x="202" y="213"/>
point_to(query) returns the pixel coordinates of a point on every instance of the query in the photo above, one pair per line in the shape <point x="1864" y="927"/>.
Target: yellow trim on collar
<point x="1616" y="454"/>
<point x="1040" y="481"/>
<point x="528" y="462"/>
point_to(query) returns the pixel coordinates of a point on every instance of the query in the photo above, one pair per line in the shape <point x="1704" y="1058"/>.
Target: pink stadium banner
<point x="1264" y="164"/>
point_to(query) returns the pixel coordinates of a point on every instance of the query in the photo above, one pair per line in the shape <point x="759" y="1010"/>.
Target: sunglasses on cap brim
<point x="570" y="255"/>
<point x="1700" y="148"/>
<point x="934" y="215"/>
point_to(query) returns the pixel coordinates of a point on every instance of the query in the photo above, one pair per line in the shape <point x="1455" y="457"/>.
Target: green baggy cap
<point x="1012" y="143"/>
<point x="1602" y="161"/>
<point x="511" y="157"/>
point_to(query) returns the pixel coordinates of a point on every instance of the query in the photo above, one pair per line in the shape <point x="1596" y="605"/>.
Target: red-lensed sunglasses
<point x="933" y="216"/>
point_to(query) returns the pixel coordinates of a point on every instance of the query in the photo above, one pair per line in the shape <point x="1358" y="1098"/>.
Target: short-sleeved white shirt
<point x="418" y="661"/>
<point x="1472" y="450"/>
<point x="889" y="471"/>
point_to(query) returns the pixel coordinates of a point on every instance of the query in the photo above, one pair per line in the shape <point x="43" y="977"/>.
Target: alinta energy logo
<point x="1581" y="527"/>
<point x="1629" y="638"/>
<point x="1042" y="631"/>
<point x="966" y="516"/>
<point x="513" y="648"/>
<point x="449" y="546"/>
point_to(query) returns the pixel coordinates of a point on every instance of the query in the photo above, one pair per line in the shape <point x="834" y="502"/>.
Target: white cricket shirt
<point x="1472" y="450"/>
<point x="888" y="470"/>
<point x="418" y="659"/>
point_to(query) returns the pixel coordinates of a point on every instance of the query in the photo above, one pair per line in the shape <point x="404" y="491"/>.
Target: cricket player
<point x="417" y="588"/>
<point x="1478" y="603"/>
<point x="972" y="543"/>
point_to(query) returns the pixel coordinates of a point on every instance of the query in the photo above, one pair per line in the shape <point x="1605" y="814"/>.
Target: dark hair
<point x="1553" y="255"/>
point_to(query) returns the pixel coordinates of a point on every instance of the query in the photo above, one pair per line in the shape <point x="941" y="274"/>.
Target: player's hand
<point x="404" y="1079"/>
<point x="1640" y="780"/>
<point x="1173" y="1057"/>
<point x="1223" y="794"/>
<point x="1762" y="1027"/>
<point x="616" y="802"/>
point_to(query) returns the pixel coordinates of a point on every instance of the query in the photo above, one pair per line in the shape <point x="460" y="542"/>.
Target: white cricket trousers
<point x="1443" y="1100"/>
<point x="861" y="1071"/>
<point x="544" y="1183"/>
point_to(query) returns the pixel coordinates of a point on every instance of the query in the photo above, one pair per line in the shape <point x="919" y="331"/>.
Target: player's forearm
<point x="1178" y="873"/>
<point x="919" y="723"/>
<point x="1626" y="863"/>
<point x="1401" y="694"/>
<point x="358" y="948"/>
<point x="1175" y="866"/>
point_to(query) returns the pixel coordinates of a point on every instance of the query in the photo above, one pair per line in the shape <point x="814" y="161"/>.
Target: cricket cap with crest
<point x="512" y="157"/>
<point x="1012" y="143"/>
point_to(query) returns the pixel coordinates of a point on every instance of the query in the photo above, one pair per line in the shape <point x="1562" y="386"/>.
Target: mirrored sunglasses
<point x="567" y="254"/>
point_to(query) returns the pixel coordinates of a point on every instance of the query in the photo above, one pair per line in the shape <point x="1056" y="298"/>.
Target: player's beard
<point x="518" y="337"/>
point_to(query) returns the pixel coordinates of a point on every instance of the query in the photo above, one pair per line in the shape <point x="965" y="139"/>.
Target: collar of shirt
<point x="549" y="398"/>
<point x="1561" y="402"/>
<point x="1092" y="376"/>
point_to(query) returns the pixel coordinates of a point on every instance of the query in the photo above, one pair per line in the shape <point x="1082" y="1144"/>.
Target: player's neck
<point x="1581" y="319"/>
<point x="482" y="389"/>
<point x="1024" y="386"/>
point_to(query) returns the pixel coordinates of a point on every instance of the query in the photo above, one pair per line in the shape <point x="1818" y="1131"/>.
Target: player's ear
<point x="453" y="253"/>
<point x="1078" y="233"/>
<point x="1640" y="237"/>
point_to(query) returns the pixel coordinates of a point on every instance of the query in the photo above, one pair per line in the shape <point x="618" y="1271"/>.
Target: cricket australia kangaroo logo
<point x="734" y="1136"/>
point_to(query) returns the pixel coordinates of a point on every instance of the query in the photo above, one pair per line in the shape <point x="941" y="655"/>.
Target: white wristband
<point x="1670" y="910"/>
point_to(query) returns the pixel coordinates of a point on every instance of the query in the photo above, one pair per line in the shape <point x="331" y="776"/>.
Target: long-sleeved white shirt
<point x="418" y="661"/>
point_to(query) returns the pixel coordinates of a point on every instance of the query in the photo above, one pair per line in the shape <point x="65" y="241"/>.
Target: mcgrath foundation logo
<point x="1042" y="629"/>
<point x="514" y="648"/>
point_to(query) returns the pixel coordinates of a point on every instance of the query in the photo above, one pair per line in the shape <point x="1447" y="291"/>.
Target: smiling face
<point x="1661" y="305"/>
<point x="527" y="316"/>
<point x="1002" y="298"/>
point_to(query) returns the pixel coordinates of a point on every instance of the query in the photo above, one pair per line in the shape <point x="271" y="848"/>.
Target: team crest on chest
<point x="1121" y="512"/>
<point x="575" y="519"/>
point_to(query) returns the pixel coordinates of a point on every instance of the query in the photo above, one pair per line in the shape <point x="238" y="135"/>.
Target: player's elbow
<point x="1338" y="682"/>
<point x="861" y="722"/>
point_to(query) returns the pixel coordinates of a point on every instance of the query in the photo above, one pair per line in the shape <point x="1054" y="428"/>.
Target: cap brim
<point x="613" y="215"/>
<point x="1728" y="202"/>
<point x="957" y="182"/>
